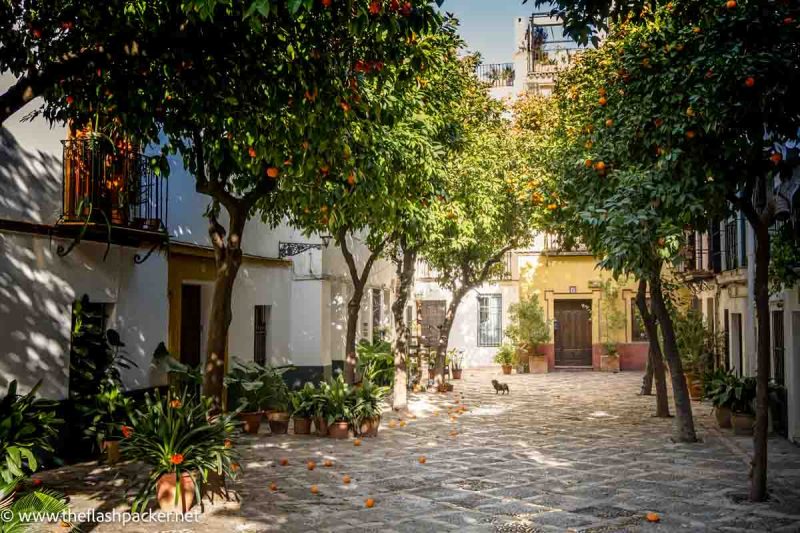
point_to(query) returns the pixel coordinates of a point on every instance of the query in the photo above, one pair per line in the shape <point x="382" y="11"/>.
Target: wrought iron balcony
<point x="496" y="74"/>
<point x="698" y="258"/>
<point x="113" y="185"/>
<point x="555" y="244"/>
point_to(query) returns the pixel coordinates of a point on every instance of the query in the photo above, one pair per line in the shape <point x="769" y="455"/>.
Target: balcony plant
<point x="505" y="357"/>
<point x="248" y="391"/>
<point x="338" y="402"/>
<point x="367" y="406"/>
<point x="181" y="445"/>
<point x="455" y="358"/>
<point x="528" y="331"/>
<point x="305" y="407"/>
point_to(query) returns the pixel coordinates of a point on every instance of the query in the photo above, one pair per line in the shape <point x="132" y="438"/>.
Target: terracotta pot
<point x="695" y="387"/>
<point x="339" y="430"/>
<point x="457" y="373"/>
<point x="252" y="421"/>
<point x="609" y="363"/>
<point x="507" y="369"/>
<point x="111" y="447"/>
<point x="302" y="425"/>
<point x="278" y="422"/>
<point x="369" y="427"/>
<point x="537" y="364"/>
<point x="322" y="426"/>
<point x="742" y="423"/>
<point x="723" y="416"/>
<point x="166" y="488"/>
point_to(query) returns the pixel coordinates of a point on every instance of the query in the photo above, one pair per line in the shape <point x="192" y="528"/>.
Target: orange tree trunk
<point x="353" y="306"/>
<point x="444" y="334"/>
<point x="655" y="358"/>
<point x="684" y="423"/>
<point x="758" y="476"/>
<point x="405" y="273"/>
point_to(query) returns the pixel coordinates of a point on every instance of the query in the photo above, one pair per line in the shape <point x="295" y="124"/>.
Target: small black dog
<point x="499" y="387"/>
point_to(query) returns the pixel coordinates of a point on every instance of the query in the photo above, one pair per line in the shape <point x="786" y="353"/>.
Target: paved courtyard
<point x="561" y="452"/>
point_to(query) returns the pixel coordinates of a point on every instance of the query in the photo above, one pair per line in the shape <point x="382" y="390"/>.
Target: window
<point x="638" y="331"/>
<point x="490" y="328"/>
<point x="260" y="328"/>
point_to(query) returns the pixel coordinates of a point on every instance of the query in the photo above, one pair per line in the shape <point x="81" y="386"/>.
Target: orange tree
<point x="253" y="96"/>
<point x="691" y="105"/>
<point x="491" y="204"/>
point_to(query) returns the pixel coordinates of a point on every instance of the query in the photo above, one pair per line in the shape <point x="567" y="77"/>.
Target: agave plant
<point x="174" y="435"/>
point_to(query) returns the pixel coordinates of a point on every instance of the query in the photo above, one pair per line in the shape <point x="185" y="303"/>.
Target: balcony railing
<point x="551" y="57"/>
<point x="697" y="258"/>
<point x="112" y="184"/>
<point x="496" y="74"/>
<point x="556" y="244"/>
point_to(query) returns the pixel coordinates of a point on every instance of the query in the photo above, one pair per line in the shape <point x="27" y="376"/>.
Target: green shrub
<point x="529" y="327"/>
<point x="376" y="362"/>
<point x="506" y="355"/>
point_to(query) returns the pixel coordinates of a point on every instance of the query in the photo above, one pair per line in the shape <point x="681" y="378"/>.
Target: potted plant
<point x="111" y="411"/>
<point x="248" y="391"/>
<point x="529" y="329"/>
<point x="367" y="408"/>
<point x="430" y="356"/>
<point x="718" y="389"/>
<point x="695" y="344"/>
<point x="305" y="406"/>
<point x="742" y="413"/>
<point x="609" y="362"/>
<point x="456" y="358"/>
<point x="277" y="400"/>
<point x="338" y="408"/>
<point x="505" y="357"/>
<point x="376" y="362"/>
<point x="175" y="438"/>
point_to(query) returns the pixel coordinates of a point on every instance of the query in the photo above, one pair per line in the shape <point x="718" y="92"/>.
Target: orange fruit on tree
<point x="602" y="100"/>
<point x="689" y="111"/>
<point x="653" y="517"/>
<point x="690" y="134"/>
<point x="775" y="158"/>
<point x="551" y="207"/>
<point x="273" y="172"/>
<point x="70" y="99"/>
<point x="314" y="489"/>
<point x="346" y="479"/>
<point x="749" y="82"/>
<point x="730" y="4"/>
<point x="351" y="179"/>
<point x="311" y="465"/>
<point x="609" y="122"/>
<point x="588" y="163"/>
<point x="251" y="151"/>
<point x="600" y="166"/>
<point x="370" y="503"/>
<point x="326" y="3"/>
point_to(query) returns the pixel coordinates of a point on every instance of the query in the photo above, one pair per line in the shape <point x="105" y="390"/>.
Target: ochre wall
<point x="552" y="277"/>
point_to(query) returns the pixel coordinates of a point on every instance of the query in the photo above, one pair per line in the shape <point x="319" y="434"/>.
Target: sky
<point x="488" y="25"/>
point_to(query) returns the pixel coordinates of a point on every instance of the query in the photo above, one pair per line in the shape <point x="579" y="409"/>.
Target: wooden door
<point x="191" y="325"/>
<point x="573" y="333"/>
<point x="431" y="320"/>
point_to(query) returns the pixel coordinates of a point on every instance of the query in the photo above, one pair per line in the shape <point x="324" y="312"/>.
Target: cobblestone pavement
<point x="561" y="452"/>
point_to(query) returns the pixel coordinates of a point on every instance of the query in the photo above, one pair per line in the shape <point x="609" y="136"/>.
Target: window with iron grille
<point x="261" y="325"/>
<point x="490" y="327"/>
<point x="778" y="347"/>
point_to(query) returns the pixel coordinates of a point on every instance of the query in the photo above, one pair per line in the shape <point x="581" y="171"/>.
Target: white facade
<point x="306" y="295"/>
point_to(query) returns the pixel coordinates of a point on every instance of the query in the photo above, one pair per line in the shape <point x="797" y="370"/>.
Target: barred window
<point x="490" y="330"/>
<point x="260" y="329"/>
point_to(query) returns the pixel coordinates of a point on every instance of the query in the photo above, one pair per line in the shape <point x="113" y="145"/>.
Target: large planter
<point x="339" y="430"/>
<point x="695" y="386"/>
<point x="252" y="421"/>
<point x="278" y="422"/>
<point x="302" y="425"/>
<point x="369" y="427"/>
<point x="742" y="423"/>
<point x="538" y="364"/>
<point x="322" y="426"/>
<point x="723" y="416"/>
<point x="111" y="447"/>
<point x="457" y="373"/>
<point x="609" y="363"/>
<point x="507" y="369"/>
<point x="167" y="487"/>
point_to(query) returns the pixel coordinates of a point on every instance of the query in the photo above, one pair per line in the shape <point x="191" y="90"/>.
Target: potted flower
<point x="277" y="401"/>
<point x="529" y="329"/>
<point x="742" y="413"/>
<point x="248" y="391"/>
<point x="338" y="408"/>
<point x="718" y="389"/>
<point x="367" y="408"/>
<point x="505" y="357"/>
<point x="456" y="358"/>
<point x="175" y="438"/>
<point x="111" y="411"/>
<point x="305" y="407"/>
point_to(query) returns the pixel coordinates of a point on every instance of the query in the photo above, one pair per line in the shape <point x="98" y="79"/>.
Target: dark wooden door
<point x="191" y="325"/>
<point x="431" y="320"/>
<point x="573" y="332"/>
